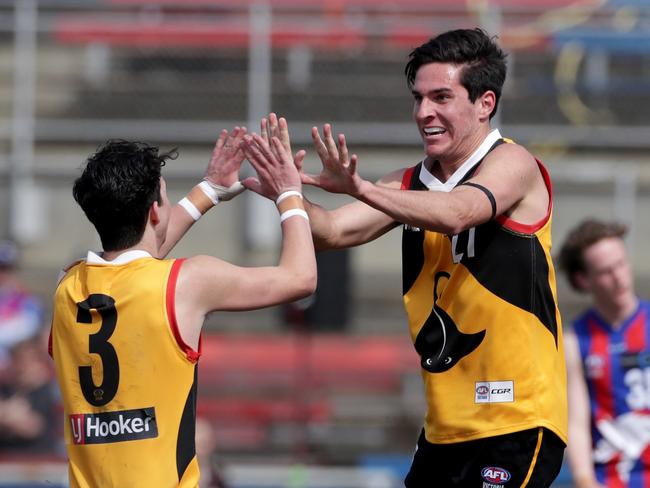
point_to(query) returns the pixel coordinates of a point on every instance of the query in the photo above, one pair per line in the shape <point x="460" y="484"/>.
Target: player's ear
<point x="486" y="103"/>
<point x="154" y="213"/>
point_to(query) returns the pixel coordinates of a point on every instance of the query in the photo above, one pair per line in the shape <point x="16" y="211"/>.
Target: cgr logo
<point x="494" y="391"/>
<point x="497" y="476"/>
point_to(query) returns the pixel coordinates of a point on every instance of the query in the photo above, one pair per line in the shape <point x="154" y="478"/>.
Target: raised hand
<point x="339" y="173"/>
<point x="227" y="157"/>
<point x="276" y="127"/>
<point x="275" y="168"/>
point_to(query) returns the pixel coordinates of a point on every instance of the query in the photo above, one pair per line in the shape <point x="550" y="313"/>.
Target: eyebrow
<point x="435" y="91"/>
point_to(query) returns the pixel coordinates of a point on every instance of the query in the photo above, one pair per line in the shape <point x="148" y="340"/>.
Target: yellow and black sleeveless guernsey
<point x="127" y="379"/>
<point x="483" y="315"/>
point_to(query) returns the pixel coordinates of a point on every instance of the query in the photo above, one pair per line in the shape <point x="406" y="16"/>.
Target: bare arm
<point x="579" y="448"/>
<point x="350" y="225"/>
<point x="223" y="169"/>
<point x="206" y="284"/>
<point x="347" y="226"/>
<point x="509" y="172"/>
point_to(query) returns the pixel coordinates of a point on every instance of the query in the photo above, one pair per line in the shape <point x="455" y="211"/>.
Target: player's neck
<point x="148" y="243"/>
<point x="617" y="312"/>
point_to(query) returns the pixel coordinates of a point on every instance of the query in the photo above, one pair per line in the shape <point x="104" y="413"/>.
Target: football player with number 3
<point x="127" y="323"/>
<point x="478" y="279"/>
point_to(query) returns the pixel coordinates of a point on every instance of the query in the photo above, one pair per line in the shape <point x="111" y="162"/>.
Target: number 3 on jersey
<point x="103" y="393"/>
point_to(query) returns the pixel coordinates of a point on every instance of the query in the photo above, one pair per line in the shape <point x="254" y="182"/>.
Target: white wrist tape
<point x="221" y="193"/>
<point x="210" y="192"/>
<point x="287" y="194"/>
<point x="190" y="208"/>
<point x="294" y="212"/>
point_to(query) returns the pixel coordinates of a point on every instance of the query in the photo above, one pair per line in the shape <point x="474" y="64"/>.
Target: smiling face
<point x="451" y="126"/>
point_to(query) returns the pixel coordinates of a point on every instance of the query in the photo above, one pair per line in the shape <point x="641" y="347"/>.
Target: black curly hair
<point x="117" y="187"/>
<point x="483" y="61"/>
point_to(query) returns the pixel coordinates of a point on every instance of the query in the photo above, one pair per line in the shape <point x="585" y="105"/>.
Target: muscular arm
<point x="509" y="173"/>
<point x="223" y="169"/>
<point x="207" y="284"/>
<point x="579" y="448"/>
<point x="352" y="224"/>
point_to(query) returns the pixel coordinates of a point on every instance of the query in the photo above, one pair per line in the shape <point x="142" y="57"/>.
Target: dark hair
<point x="584" y="235"/>
<point x="483" y="61"/>
<point x="117" y="188"/>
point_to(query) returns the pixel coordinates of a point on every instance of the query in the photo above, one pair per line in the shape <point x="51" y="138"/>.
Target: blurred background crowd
<point x="324" y="392"/>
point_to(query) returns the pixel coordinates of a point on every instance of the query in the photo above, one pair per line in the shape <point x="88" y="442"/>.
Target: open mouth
<point x="433" y="131"/>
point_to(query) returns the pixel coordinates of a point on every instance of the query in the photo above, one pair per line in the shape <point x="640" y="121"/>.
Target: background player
<point x="607" y="351"/>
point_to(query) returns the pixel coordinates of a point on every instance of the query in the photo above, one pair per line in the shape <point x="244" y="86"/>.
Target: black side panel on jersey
<point x="412" y="242"/>
<point x="413" y="239"/>
<point x="185" y="445"/>
<point x="502" y="250"/>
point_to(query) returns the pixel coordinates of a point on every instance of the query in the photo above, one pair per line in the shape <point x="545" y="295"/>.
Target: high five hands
<point x="339" y="172"/>
<point x="271" y="152"/>
<point x="270" y="156"/>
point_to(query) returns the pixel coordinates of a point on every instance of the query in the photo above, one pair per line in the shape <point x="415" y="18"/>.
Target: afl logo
<point x="482" y="390"/>
<point x="495" y="475"/>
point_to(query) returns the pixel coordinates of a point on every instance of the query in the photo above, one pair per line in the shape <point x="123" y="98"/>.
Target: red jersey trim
<point x="406" y="178"/>
<point x="508" y="223"/>
<point x="190" y="353"/>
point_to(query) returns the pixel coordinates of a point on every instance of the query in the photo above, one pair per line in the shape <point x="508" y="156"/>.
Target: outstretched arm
<point x="347" y="226"/>
<point x="223" y="171"/>
<point x="509" y="172"/>
<point x="352" y="224"/>
<point x="207" y="284"/>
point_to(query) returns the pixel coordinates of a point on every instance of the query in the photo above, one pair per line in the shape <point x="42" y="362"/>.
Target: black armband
<point x="488" y="193"/>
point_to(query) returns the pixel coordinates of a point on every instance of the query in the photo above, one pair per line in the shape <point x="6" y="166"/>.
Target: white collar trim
<point x="433" y="183"/>
<point x="125" y="257"/>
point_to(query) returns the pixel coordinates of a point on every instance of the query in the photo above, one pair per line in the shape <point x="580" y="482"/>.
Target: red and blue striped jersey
<point x="616" y="363"/>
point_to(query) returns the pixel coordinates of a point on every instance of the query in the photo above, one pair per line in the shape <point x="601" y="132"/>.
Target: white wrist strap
<point x="190" y="208"/>
<point x="287" y="194"/>
<point x="221" y="193"/>
<point x="294" y="212"/>
<point x="210" y="192"/>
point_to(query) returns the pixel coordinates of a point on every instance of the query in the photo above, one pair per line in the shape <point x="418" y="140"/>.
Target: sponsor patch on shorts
<point x="119" y="426"/>
<point x="494" y="477"/>
<point x="494" y="392"/>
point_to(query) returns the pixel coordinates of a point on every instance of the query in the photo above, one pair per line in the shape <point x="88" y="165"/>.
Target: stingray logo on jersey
<point x="107" y="427"/>
<point x="494" y="477"/>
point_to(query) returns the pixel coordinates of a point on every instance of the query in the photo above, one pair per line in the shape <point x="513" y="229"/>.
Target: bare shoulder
<point x="200" y="265"/>
<point x="513" y="155"/>
<point x="201" y="278"/>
